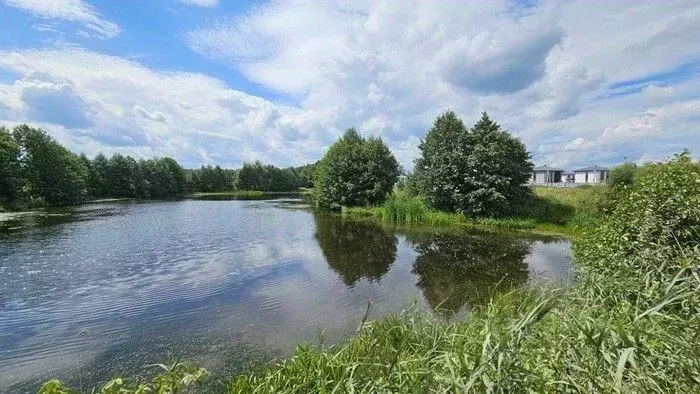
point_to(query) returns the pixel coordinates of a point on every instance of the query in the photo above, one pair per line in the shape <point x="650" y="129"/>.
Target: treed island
<point x="629" y="322"/>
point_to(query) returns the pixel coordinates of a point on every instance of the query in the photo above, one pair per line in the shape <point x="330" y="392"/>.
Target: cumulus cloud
<point x="654" y="91"/>
<point x="99" y="102"/>
<point x="51" y="100"/>
<point x="389" y="69"/>
<point x="504" y="60"/>
<point x="69" y="10"/>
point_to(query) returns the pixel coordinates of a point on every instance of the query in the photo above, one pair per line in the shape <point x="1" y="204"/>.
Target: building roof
<point x="591" y="168"/>
<point x="546" y="168"/>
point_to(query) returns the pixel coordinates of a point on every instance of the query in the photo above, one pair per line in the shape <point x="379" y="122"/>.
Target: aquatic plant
<point x="173" y="379"/>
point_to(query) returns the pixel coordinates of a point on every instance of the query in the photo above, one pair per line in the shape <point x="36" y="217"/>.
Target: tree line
<point x="477" y="171"/>
<point x="36" y="170"/>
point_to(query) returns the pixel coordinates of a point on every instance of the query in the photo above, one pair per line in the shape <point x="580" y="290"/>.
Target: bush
<point x="354" y="172"/>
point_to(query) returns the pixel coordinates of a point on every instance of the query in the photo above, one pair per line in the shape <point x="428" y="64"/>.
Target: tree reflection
<point x="355" y="249"/>
<point x="458" y="270"/>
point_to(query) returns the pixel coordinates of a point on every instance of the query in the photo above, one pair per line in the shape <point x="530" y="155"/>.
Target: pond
<point x="110" y="288"/>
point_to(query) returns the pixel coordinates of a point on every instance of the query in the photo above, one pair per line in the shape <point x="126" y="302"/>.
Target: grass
<point x="630" y="322"/>
<point x="551" y="211"/>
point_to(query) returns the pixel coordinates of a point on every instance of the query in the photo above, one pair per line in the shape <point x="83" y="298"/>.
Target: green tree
<point x="11" y="179"/>
<point x="125" y="178"/>
<point x="355" y="171"/>
<point x="481" y="172"/>
<point x="99" y="173"/>
<point x="54" y="173"/>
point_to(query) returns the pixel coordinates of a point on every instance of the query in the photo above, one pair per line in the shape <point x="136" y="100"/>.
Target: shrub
<point x="355" y="171"/>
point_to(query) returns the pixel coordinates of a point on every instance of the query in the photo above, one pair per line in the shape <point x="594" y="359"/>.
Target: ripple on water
<point x="109" y="288"/>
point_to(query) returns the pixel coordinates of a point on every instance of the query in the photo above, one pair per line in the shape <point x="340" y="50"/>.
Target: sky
<point x="227" y="82"/>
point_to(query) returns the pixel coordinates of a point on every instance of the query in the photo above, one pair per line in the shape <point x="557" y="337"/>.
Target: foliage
<point x="629" y="324"/>
<point x="11" y="179"/>
<point x="620" y="179"/>
<point x="208" y="179"/>
<point x="550" y="210"/>
<point x="355" y="171"/>
<point x="478" y="172"/>
<point x="53" y="173"/>
<point x="268" y="178"/>
<point x="401" y="207"/>
<point x="36" y="170"/>
<point x="174" y="378"/>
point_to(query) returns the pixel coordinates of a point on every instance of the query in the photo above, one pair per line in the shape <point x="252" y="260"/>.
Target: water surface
<point x="111" y="288"/>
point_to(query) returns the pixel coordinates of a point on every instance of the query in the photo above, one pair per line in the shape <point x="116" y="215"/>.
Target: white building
<point x="592" y="174"/>
<point x="545" y="175"/>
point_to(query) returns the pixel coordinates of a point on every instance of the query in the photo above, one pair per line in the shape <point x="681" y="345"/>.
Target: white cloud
<point x="654" y="91"/>
<point x="201" y="3"/>
<point x="122" y="107"/>
<point x="68" y="10"/>
<point x="543" y="72"/>
<point x="390" y="69"/>
<point x="155" y="115"/>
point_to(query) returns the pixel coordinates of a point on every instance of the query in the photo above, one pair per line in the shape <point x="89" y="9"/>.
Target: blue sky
<point x="224" y="82"/>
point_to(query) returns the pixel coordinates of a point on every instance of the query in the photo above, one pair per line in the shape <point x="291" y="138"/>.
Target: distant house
<point x="593" y="174"/>
<point x="545" y="175"/>
<point x="569" y="177"/>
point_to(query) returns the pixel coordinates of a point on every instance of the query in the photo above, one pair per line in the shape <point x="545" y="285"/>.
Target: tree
<point x="54" y="173"/>
<point x="482" y="171"/>
<point x="125" y="178"/>
<point x="11" y="179"/>
<point x="355" y="171"/>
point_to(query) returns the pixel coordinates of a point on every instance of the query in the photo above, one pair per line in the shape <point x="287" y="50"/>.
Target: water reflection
<point x="110" y="288"/>
<point x="463" y="271"/>
<point x="355" y="249"/>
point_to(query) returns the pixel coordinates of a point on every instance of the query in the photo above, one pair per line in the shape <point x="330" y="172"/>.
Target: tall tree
<point x="482" y="171"/>
<point x="54" y="173"/>
<point x="355" y="171"/>
<point x="11" y="179"/>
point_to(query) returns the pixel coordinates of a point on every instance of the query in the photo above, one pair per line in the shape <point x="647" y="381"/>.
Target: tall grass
<point x="630" y="323"/>
<point x="400" y="208"/>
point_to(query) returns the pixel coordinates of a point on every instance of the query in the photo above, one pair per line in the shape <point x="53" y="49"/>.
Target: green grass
<point x="551" y="211"/>
<point x="629" y="323"/>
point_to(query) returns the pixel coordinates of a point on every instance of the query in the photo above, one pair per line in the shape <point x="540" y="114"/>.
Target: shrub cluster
<point x="355" y="171"/>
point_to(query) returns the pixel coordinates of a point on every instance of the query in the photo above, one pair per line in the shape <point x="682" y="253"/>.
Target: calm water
<point x="111" y="288"/>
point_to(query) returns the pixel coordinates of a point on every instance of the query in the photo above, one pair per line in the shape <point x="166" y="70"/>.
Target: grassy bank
<point x="630" y="322"/>
<point x="551" y="210"/>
